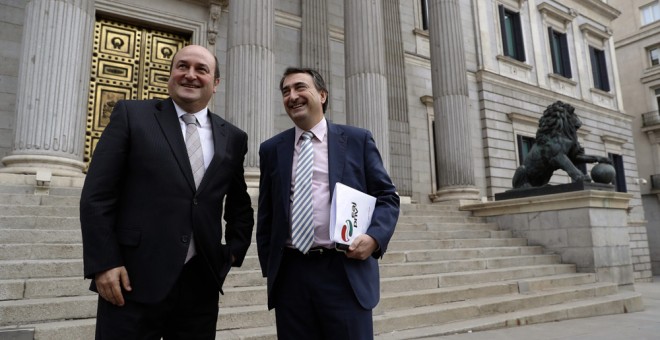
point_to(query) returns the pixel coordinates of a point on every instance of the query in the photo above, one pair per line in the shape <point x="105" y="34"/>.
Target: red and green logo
<point x="347" y="231"/>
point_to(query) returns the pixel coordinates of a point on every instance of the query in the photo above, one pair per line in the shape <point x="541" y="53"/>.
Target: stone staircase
<point x="445" y="272"/>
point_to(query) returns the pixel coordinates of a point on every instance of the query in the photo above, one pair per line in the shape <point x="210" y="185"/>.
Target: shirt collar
<point x="319" y="130"/>
<point x="202" y="115"/>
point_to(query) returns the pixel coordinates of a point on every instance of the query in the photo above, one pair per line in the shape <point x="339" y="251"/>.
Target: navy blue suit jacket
<point x="354" y="160"/>
<point x="139" y="204"/>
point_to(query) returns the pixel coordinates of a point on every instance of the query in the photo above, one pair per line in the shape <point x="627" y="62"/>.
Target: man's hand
<point x="362" y="247"/>
<point x="109" y="284"/>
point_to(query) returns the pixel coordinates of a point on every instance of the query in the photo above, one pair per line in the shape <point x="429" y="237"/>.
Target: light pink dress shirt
<point x="320" y="182"/>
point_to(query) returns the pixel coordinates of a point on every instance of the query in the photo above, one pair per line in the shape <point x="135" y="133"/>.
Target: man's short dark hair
<point x="319" y="83"/>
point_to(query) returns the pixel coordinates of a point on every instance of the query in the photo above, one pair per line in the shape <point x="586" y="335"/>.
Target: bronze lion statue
<point x="556" y="147"/>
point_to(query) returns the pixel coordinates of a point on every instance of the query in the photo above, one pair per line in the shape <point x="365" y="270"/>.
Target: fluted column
<point x="366" y="84"/>
<point x="250" y="72"/>
<point x="397" y="100"/>
<point x="316" y="40"/>
<point x="450" y="103"/>
<point x="53" y="84"/>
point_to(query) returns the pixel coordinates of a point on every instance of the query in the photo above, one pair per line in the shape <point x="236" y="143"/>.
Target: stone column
<point x="397" y="100"/>
<point x="316" y="40"/>
<point x="53" y="85"/>
<point x="366" y="84"/>
<point x="450" y="103"/>
<point x="250" y="74"/>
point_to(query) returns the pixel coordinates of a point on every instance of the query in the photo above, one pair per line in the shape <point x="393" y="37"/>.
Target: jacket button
<point x="194" y="201"/>
<point x="185" y="238"/>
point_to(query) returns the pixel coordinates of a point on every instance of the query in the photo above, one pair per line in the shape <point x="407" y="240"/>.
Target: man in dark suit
<point x="319" y="292"/>
<point x="151" y="212"/>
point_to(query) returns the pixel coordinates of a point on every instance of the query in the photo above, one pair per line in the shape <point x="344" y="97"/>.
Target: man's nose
<point x="293" y="94"/>
<point x="190" y="74"/>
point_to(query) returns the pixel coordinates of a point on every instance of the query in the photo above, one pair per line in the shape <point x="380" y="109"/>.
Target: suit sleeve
<point x="379" y="185"/>
<point x="265" y="212"/>
<point x="239" y="215"/>
<point x="100" y="195"/>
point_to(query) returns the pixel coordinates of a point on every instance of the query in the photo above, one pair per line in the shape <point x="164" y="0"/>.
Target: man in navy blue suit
<point x="321" y="293"/>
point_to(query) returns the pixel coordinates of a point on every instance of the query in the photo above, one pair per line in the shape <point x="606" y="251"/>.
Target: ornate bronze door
<point x="128" y="62"/>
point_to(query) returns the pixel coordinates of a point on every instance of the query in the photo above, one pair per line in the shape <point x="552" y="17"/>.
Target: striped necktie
<point x="194" y="148"/>
<point x="302" y="219"/>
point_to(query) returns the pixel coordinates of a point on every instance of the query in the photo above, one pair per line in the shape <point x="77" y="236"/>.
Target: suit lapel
<point x="336" y="154"/>
<point x="285" y="148"/>
<point x="169" y="123"/>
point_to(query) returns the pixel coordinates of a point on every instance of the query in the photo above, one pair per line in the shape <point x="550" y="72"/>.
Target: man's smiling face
<point x="302" y="101"/>
<point x="192" y="82"/>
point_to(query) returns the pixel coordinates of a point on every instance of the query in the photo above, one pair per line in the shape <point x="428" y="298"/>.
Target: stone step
<point x="29" y="190"/>
<point x="25" y="269"/>
<point x="35" y="251"/>
<point x="432" y="219"/>
<point x="38" y="210"/>
<point x="40" y="222"/>
<point x="437" y="214"/>
<point x="15" y="289"/>
<point x="442" y="226"/>
<point x="425" y="316"/>
<point x="596" y="297"/>
<point x="13" y="236"/>
<point x="252" y="333"/>
<point x="35" y="200"/>
<point x="432" y="281"/>
<point x="436" y="206"/>
<point x="21" y="312"/>
<point x="436" y="296"/>
<point x="621" y="302"/>
<point x="402" y="256"/>
<point x="445" y="235"/>
<point x="456" y="243"/>
<point x="452" y="266"/>
<point x="244" y="317"/>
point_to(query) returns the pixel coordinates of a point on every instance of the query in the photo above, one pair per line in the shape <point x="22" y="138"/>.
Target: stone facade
<point x="636" y="39"/>
<point x="398" y="86"/>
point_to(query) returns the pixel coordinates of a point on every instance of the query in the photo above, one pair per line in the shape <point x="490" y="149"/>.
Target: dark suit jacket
<point x="139" y="204"/>
<point x="354" y="160"/>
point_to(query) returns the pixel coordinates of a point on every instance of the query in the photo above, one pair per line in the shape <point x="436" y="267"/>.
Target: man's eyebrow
<point x="293" y="85"/>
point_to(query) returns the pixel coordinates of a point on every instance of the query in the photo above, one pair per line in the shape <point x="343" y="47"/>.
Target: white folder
<point x="350" y="214"/>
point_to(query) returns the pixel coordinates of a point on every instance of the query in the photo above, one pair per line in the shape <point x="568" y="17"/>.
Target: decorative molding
<point x="592" y="30"/>
<point x="152" y="16"/>
<point x="515" y="62"/>
<point x="565" y="15"/>
<point x="602" y="8"/>
<point x="562" y="79"/>
<point x="522" y="118"/>
<point x="288" y="20"/>
<point x="613" y="140"/>
<point x="215" y="11"/>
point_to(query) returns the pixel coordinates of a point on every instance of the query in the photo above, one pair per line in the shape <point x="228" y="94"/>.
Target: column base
<point x="252" y="181"/>
<point x="29" y="164"/>
<point x="455" y="194"/>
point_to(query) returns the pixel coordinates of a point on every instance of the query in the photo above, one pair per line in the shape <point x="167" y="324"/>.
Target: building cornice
<point x="601" y="8"/>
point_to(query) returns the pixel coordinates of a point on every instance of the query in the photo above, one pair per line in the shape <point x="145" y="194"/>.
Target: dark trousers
<point x="190" y="311"/>
<point x="314" y="300"/>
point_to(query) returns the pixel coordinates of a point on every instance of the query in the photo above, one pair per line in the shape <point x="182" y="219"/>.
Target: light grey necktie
<point x="302" y="218"/>
<point x="194" y="148"/>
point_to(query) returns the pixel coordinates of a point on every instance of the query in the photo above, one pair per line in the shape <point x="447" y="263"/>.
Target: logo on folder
<point x="350" y="214"/>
